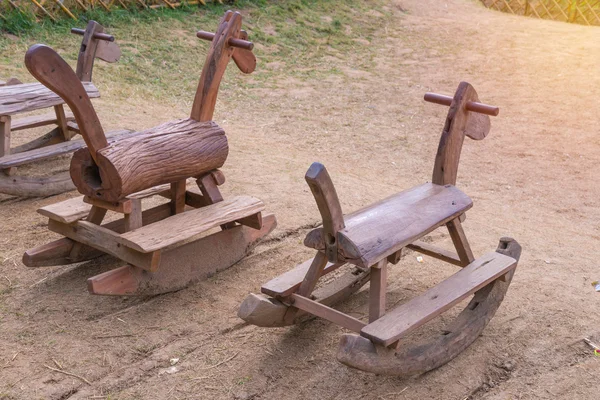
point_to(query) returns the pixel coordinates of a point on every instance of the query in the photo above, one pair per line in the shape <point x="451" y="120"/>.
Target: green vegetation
<point x="162" y="58"/>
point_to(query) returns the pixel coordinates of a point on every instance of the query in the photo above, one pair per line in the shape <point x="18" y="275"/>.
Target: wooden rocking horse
<point x="166" y="247"/>
<point x="17" y="98"/>
<point x="370" y="238"/>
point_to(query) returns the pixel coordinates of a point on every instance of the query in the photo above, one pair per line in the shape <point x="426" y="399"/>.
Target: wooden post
<point x="377" y="290"/>
<point x="526" y="12"/>
<point x="87" y="51"/>
<point x="61" y="119"/>
<point x="5" y="140"/>
<point x="133" y="220"/>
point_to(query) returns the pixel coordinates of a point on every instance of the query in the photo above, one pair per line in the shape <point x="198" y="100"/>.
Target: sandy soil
<point x="533" y="179"/>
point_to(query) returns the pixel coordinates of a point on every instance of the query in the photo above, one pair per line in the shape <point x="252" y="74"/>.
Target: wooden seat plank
<point x="287" y="283"/>
<point x="15" y="99"/>
<point x="55" y="150"/>
<point x="34" y="121"/>
<point x="416" y="312"/>
<point x="189" y="224"/>
<point x="383" y="228"/>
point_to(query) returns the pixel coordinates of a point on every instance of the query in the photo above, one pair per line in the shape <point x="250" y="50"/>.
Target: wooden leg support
<point x="359" y="352"/>
<point x="460" y="242"/>
<point x="5" y="141"/>
<point x="377" y="290"/>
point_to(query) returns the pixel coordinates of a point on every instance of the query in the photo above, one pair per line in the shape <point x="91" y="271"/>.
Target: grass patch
<point x="162" y="59"/>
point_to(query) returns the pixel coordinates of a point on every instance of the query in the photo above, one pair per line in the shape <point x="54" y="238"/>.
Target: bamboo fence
<point x="56" y="9"/>
<point x="586" y="12"/>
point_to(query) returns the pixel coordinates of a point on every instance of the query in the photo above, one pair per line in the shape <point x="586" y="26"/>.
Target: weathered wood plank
<point x="287" y="283"/>
<point x="33" y="96"/>
<point x="103" y="239"/>
<point x="189" y="224"/>
<point x="56" y="150"/>
<point x="416" y="312"/>
<point x="34" y="121"/>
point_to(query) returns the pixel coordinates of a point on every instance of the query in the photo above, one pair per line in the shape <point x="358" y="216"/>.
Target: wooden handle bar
<point x="233" y="42"/>
<point x="97" y="35"/>
<point x="471" y="105"/>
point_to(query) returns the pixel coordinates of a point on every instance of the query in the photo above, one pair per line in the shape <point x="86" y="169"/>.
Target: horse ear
<point x="478" y="125"/>
<point x="54" y="73"/>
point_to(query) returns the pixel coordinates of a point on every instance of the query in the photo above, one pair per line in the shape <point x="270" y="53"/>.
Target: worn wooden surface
<point x="377" y="290"/>
<point x="260" y="310"/>
<point x="433" y="351"/>
<point x="326" y="312"/>
<point x="34" y="121"/>
<point x="287" y="283"/>
<point x="217" y="59"/>
<point x="385" y="227"/>
<point x="323" y="191"/>
<point x="414" y="313"/>
<point x="459" y="122"/>
<point x="25" y="186"/>
<point x="55" y="150"/>
<point x="51" y="70"/>
<point x="184" y="265"/>
<point x="58" y="252"/>
<point x="131" y="165"/>
<point x="33" y="96"/>
<point x="187" y="225"/>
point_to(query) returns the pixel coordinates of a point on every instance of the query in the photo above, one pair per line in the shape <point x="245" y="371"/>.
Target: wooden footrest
<point x="187" y="225"/>
<point x="287" y="283"/>
<point x="409" y="316"/>
<point x="37" y="120"/>
<point x="55" y="150"/>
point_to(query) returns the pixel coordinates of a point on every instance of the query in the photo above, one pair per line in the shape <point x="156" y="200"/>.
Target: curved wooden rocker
<point x="368" y="239"/>
<point x="170" y="246"/>
<point x="17" y="98"/>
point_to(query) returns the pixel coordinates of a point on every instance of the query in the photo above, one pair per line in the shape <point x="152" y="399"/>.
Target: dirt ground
<point x="533" y="178"/>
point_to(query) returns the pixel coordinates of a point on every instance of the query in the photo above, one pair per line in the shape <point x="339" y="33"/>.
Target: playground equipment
<point x="17" y="98"/>
<point x="368" y="239"/>
<point x="165" y="247"/>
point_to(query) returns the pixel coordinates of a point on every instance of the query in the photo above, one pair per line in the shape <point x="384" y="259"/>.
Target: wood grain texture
<point x="107" y="241"/>
<point x="25" y="186"/>
<point x="261" y="310"/>
<point x="287" y="283"/>
<point x="383" y="228"/>
<point x="184" y="265"/>
<point x="187" y="225"/>
<point x="323" y="191"/>
<point x="434" y="350"/>
<point x="52" y="71"/>
<point x="416" y="312"/>
<point x="166" y="153"/>
<point x="459" y="239"/>
<point x="55" y="150"/>
<point x="458" y="121"/>
<point x="328" y="313"/>
<point x="313" y="274"/>
<point x="377" y="290"/>
<point x="87" y="51"/>
<point x="34" y="121"/>
<point x="217" y="58"/>
<point x="58" y="253"/>
<point x="34" y="96"/>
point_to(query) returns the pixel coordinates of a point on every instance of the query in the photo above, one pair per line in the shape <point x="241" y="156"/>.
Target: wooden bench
<point x="17" y="98"/>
